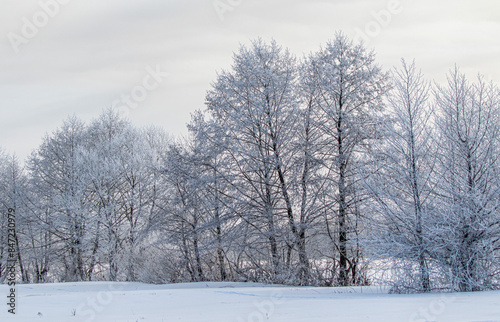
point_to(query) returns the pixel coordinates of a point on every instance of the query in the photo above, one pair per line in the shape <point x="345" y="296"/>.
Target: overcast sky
<point x="65" y="57"/>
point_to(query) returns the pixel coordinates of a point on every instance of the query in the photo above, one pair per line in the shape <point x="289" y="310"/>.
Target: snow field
<point x="241" y="302"/>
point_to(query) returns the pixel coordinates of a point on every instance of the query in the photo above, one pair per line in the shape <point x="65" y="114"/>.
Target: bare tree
<point x="467" y="226"/>
<point x="55" y="176"/>
<point x="348" y="99"/>
<point x="401" y="183"/>
<point x="256" y="106"/>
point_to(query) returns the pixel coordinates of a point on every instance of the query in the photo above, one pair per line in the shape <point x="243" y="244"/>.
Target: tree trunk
<point x="342" y="218"/>
<point x="199" y="268"/>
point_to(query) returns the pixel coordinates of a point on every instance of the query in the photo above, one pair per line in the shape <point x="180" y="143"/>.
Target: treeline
<point x="324" y="171"/>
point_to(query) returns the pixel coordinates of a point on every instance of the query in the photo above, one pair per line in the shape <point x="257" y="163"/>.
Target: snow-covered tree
<point x="95" y="198"/>
<point x="401" y="183"/>
<point x="348" y="100"/>
<point x="13" y="189"/>
<point x="256" y="106"/>
<point x="56" y="177"/>
<point x="294" y="173"/>
<point x="468" y="226"/>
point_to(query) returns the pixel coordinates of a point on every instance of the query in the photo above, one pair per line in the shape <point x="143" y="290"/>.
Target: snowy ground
<point x="238" y="302"/>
